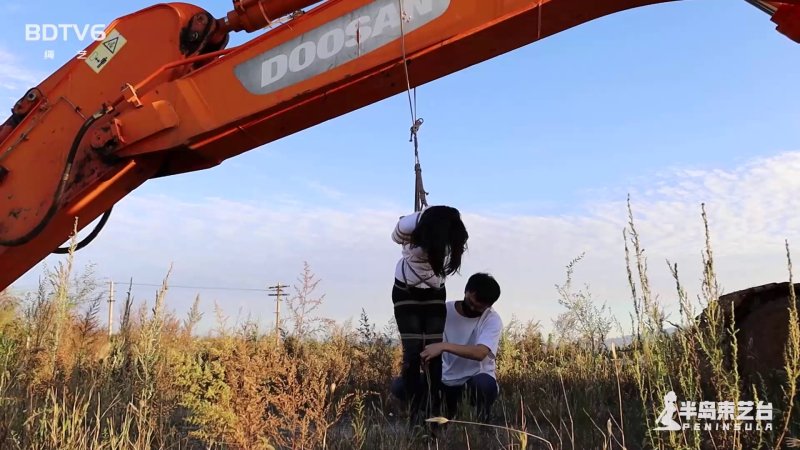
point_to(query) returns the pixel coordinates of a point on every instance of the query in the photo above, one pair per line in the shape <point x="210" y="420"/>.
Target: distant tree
<point x="584" y="322"/>
<point x="303" y="306"/>
<point x="366" y="330"/>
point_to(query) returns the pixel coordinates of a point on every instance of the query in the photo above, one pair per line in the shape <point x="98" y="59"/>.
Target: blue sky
<point x="678" y="104"/>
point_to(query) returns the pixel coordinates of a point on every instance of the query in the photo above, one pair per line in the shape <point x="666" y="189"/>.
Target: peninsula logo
<point x="712" y="416"/>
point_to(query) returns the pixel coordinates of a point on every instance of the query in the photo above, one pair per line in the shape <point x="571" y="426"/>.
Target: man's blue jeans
<point x="482" y="391"/>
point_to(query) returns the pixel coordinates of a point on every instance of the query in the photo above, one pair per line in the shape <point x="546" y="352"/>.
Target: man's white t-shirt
<point x="458" y="329"/>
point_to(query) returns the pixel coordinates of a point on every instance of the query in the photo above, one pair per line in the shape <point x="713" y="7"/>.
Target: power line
<point x="177" y="286"/>
<point x="119" y="284"/>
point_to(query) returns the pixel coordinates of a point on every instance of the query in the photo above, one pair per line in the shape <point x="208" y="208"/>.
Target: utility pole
<point x="278" y="291"/>
<point x="110" y="307"/>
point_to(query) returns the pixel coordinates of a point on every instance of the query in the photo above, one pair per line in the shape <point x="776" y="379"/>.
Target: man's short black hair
<point x="485" y="287"/>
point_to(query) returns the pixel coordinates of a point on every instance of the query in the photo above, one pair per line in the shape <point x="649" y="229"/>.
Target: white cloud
<point x="222" y="242"/>
<point x="14" y="75"/>
<point x="327" y="192"/>
<point x="12" y="7"/>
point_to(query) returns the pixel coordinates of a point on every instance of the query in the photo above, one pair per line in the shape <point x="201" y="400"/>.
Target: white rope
<point x="420" y="199"/>
<point x="413" y="107"/>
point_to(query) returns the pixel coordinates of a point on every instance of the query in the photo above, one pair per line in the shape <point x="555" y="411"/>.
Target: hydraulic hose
<point x="73" y="151"/>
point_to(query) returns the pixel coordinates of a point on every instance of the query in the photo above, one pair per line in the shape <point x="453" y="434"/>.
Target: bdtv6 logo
<point x="50" y="32"/>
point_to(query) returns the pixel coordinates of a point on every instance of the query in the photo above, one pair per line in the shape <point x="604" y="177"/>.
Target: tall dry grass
<point x="157" y="383"/>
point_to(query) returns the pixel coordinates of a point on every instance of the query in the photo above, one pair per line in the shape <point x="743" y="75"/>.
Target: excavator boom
<point x="161" y="95"/>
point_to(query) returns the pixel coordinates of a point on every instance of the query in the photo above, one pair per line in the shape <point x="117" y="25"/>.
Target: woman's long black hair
<point x="443" y="236"/>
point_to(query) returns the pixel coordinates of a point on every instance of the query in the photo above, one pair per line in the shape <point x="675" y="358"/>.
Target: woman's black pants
<point x="420" y="314"/>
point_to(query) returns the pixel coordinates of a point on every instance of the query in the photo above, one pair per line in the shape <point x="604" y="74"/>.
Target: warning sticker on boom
<point x="109" y="48"/>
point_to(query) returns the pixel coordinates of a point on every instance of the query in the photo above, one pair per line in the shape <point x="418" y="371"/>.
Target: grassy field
<point x="64" y="383"/>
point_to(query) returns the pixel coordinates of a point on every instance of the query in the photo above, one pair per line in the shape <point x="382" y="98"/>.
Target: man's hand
<point x="432" y="351"/>
<point x="474" y="352"/>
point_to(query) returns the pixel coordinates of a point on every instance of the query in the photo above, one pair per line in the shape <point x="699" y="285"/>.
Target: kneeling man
<point x="469" y="348"/>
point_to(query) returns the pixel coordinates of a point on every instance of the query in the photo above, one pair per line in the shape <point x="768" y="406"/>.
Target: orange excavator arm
<point x="160" y="95"/>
